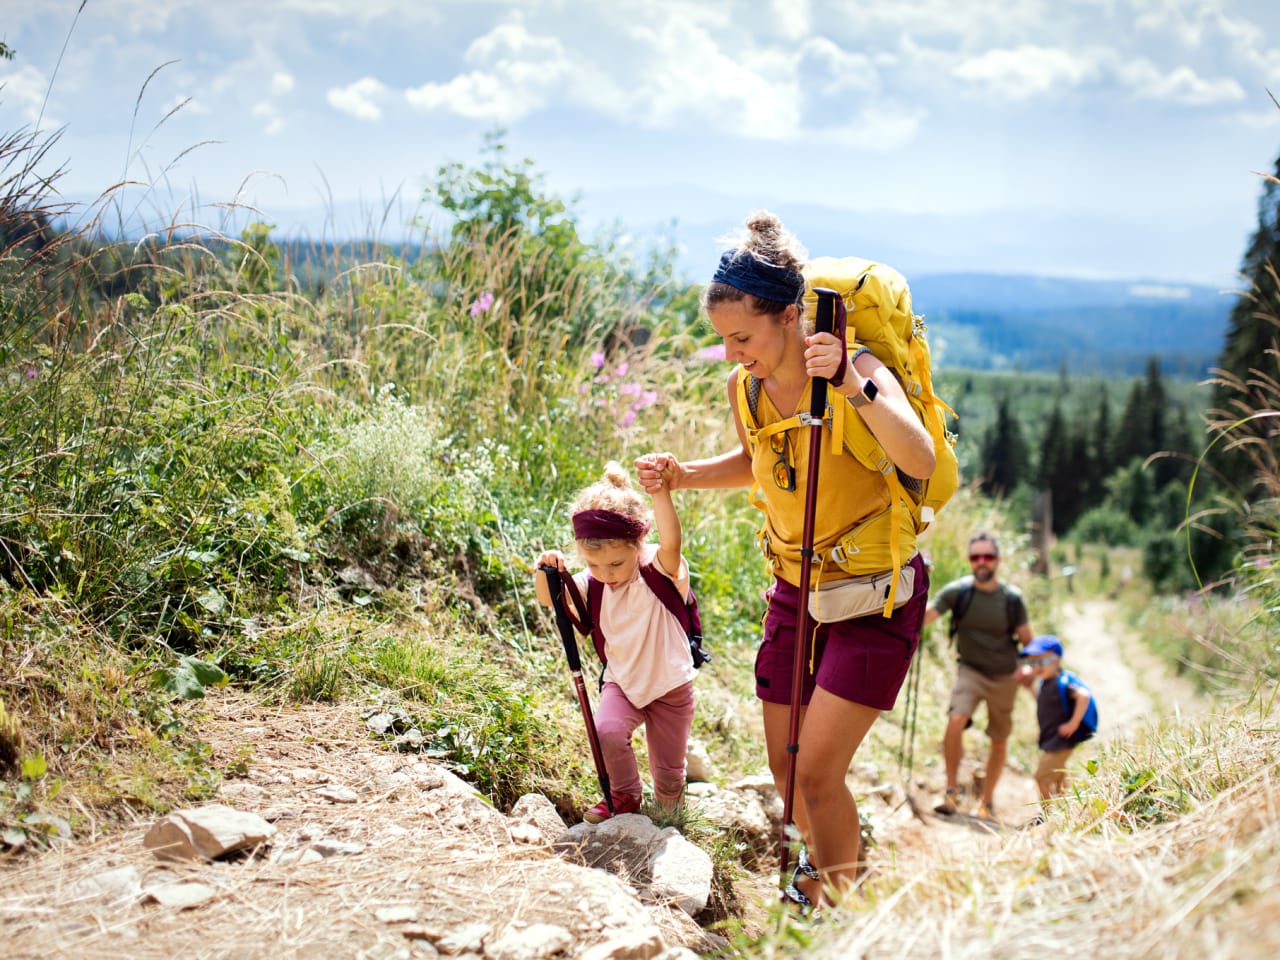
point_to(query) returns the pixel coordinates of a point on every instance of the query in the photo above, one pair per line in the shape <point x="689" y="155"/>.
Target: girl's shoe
<point x="621" y="804"/>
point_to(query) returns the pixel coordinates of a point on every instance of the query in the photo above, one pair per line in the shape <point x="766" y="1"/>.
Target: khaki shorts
<point x="1053" y="765"/>
<point x="998" y="693"/>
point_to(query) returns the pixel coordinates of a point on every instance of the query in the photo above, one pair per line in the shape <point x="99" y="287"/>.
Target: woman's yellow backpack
<point x="877" y="304"/>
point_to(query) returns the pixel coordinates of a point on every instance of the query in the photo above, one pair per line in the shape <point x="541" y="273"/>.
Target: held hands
<point x="657" y="472"/>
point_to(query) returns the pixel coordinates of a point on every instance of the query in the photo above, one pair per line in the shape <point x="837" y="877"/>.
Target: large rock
<point x="207" y="833"/>
<point x="534" y="819"/>
<point x="659" y="863"/>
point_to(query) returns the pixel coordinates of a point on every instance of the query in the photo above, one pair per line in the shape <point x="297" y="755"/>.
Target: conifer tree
<point x="1248" y="361"/>
<point x="1100" y="444"/>
<point x="1004" y="453"/>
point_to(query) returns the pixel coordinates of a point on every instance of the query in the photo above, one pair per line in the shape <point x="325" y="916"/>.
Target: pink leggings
<point x="667" y="722"/>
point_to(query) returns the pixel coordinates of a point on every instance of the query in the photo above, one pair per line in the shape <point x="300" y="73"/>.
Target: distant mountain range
<point x="990" y="321"/>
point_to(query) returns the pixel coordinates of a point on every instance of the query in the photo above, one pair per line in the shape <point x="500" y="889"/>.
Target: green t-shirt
<point x="985" y="637"/>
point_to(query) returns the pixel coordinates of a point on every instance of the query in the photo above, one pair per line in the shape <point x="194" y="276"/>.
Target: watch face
<point x="870" y="389"/>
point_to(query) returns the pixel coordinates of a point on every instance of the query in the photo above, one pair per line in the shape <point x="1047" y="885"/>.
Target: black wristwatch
<point x="866" y="394"/>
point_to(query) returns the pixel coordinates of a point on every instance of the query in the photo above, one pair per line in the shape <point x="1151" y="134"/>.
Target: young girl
<point x="649" y="674"/>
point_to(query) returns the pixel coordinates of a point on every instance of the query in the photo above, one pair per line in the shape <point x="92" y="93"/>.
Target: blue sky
<point x="1118" y="138"/>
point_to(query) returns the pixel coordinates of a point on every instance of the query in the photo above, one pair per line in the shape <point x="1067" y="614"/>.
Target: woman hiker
<point x="754" y="302"/>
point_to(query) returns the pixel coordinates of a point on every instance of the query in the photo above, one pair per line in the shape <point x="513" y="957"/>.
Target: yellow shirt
<point x="848" y="494"/>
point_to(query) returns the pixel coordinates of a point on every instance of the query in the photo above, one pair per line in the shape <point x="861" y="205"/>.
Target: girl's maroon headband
<point x="607" y="525"/>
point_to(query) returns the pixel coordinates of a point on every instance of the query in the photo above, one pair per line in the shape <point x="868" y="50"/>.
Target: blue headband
<point x="749" y="274"/>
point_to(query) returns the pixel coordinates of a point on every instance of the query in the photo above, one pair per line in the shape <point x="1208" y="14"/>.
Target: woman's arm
<point x="729" y="469"/>
<point x="889" y="416"/>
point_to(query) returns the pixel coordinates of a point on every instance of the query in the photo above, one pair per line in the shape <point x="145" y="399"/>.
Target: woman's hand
<point x="822" y="355"/>
<point x="658" y="471"/>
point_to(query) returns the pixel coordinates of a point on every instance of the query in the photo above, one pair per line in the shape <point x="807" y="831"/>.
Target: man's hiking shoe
<point x="984" y="811"/>
<point x="950" y="802"/>
<point x="621" y="804"/>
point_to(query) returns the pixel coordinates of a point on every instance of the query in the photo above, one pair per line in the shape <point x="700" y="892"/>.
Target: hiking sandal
<point x="804" y="866"/>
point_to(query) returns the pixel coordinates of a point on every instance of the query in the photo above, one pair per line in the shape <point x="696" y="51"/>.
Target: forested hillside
<point x="1087" y="327"/>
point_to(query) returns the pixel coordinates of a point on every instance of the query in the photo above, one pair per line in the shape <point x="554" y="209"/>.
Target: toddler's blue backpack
<point x="1089" y="725"/>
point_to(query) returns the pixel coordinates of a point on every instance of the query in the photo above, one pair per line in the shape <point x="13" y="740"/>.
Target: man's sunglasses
<point x="982" y="558"/>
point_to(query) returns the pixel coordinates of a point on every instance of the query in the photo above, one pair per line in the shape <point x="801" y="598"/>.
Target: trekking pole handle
<point x="562" y="617"/>
<point x="824" y="322"/>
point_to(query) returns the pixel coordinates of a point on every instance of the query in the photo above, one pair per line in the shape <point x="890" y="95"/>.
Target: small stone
<point x="182" y="895"/>
<point x="401" y="914"/>
<point x="337" y="793"/>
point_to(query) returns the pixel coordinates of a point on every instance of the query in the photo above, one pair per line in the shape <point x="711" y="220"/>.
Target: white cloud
<point x="794" y="18"/>
<point x="688" y="68"/>
<point x="843" y="70"/>
<point x="25" y="89"/>
<point x="281" y="83"/>
<point x="517" y="73"/>
<point x="1027" y="71"/>
<point x="360" y="99"/>
<point x="1180" y="85"/>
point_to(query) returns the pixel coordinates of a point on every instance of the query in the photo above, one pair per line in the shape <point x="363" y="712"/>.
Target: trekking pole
<point x="825" y="322"/>
<point x="909" y="740"/>
<point x="570" y="643"/>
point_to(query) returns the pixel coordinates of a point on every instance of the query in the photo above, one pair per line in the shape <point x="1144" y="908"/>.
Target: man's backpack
<point x="684" y="610"/>
<point x="962" y="605"/>
<point x="877" y="304"/>
<point x="1089" y="724"/>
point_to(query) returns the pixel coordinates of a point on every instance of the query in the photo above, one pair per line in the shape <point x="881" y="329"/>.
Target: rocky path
<point x="386" y="855"/>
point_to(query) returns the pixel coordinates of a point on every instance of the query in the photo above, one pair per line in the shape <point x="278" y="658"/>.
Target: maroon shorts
<point x="863" y="660"/>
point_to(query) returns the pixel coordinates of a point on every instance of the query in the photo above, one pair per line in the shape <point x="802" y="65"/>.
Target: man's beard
<point x="984" y="574"/>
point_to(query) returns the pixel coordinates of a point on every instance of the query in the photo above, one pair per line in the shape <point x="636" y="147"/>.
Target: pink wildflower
<point x="597" y="359"/>
<point x="481" y="304"/>
<point x="711" y="353"/>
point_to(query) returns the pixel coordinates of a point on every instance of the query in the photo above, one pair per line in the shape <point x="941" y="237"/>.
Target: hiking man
<point x="988" y="624"/>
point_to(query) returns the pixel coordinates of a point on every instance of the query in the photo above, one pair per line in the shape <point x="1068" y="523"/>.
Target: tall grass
<point x="214" y="468"/>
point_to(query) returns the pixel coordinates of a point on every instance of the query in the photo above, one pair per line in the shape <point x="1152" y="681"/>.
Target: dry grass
<point x="1201" y="885"/>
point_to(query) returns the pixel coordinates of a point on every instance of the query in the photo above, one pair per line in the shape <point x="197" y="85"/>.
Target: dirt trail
<point x="1132" y="686"/>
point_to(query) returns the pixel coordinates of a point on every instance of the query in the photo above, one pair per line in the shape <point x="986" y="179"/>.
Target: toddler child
<point x="648" y="676"/>
<point x="1062" y="703"/>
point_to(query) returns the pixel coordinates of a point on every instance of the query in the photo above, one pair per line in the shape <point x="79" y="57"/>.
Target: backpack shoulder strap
<point x="595" y="594"/>
<point x="962" y="606"/>
<point x="582" y="621"/>
<point x="666" y="590"/>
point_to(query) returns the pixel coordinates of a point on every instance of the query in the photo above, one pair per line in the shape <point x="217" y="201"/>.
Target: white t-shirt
<point x="646" y="648"/>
